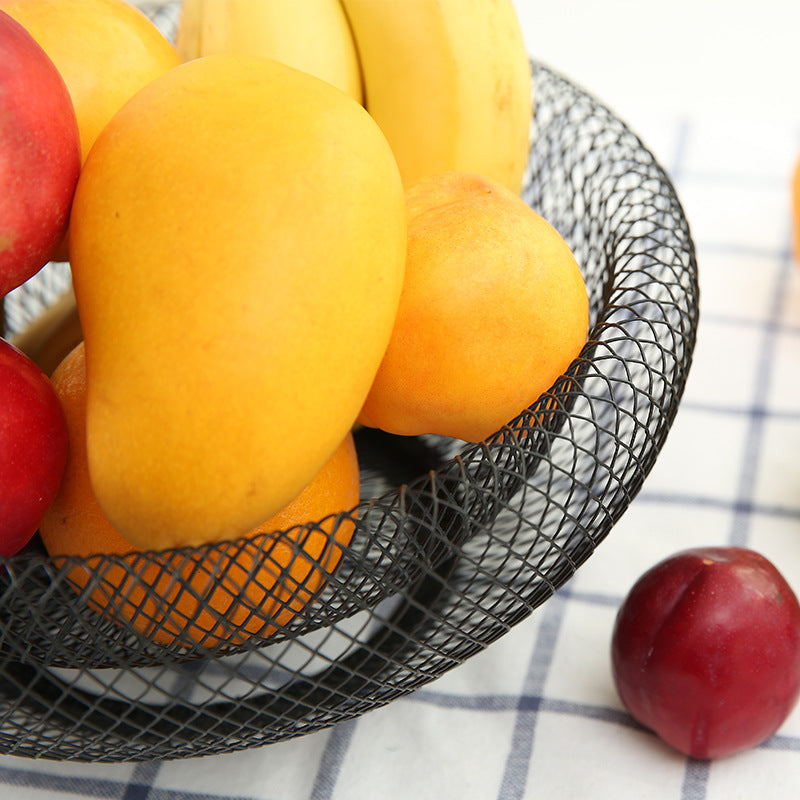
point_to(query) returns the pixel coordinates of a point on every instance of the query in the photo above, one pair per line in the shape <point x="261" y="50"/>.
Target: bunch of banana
<point x="448" y="81"/>
<point x="311" y="35"/>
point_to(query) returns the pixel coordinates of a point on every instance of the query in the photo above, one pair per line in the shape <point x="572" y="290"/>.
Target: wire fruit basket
<point x="453" y="543"/>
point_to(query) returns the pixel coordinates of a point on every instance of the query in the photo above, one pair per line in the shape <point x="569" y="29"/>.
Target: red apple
<point x="40" y="155"/>
<point x="33" y="447"/>
<point x="706" y="650"/>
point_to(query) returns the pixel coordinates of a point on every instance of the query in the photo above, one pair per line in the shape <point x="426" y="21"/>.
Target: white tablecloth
<point x="712" y="89"/>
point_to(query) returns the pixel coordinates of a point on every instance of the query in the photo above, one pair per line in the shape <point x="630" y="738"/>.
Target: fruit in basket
<point x="225" y="595"/>
<point x="494" y="308"/>
<point x="449" y="82"/>
<point x="33" y="448"/>
<point x="238" y="247"/>
<point x="39" y="156"/>
<point x="706" y="650"/>
<point x="311" y="35"/>
<point x="105" y="50"/>
<point x="795" y="212"/>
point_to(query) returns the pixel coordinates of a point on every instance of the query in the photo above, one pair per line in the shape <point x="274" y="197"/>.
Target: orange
<point x="494" y="308"/>
<point x="218" y="595"/>
<point x="796" y="210"/>
<point x="106" y="50"/>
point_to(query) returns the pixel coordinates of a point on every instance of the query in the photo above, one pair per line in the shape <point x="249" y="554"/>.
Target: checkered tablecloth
<point x="536" y="714"/>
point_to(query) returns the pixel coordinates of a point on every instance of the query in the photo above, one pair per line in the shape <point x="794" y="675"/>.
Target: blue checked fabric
<point x="536" y="714"/>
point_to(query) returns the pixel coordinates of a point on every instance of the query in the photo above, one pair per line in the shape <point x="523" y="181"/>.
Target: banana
<point x="448" y="82"/>
<point x="310" y="35"/>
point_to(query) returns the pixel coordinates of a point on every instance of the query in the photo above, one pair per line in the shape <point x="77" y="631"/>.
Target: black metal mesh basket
<point x="453" y="544"/>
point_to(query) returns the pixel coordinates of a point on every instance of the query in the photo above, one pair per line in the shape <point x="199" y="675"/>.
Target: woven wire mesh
<point x="198" y="651"/>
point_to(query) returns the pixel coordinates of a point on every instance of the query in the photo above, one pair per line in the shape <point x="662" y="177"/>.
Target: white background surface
<point x="681" y="57"/>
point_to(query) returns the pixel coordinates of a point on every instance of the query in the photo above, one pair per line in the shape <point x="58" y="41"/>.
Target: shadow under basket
<point x="452" y="544"/>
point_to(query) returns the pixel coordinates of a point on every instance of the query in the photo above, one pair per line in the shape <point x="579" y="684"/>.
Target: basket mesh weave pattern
<point x="454" y="543"/>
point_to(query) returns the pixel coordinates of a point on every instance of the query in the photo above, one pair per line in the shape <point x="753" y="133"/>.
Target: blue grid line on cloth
<point x="522" y="742"/>
<point x="51" y="780"/>
<point x="141" y="781"/>
<point x="740" y="528"/>
<point x="332" y="759"/>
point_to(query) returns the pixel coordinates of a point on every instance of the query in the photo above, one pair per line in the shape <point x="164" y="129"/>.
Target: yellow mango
<point x="238" y="249"/>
